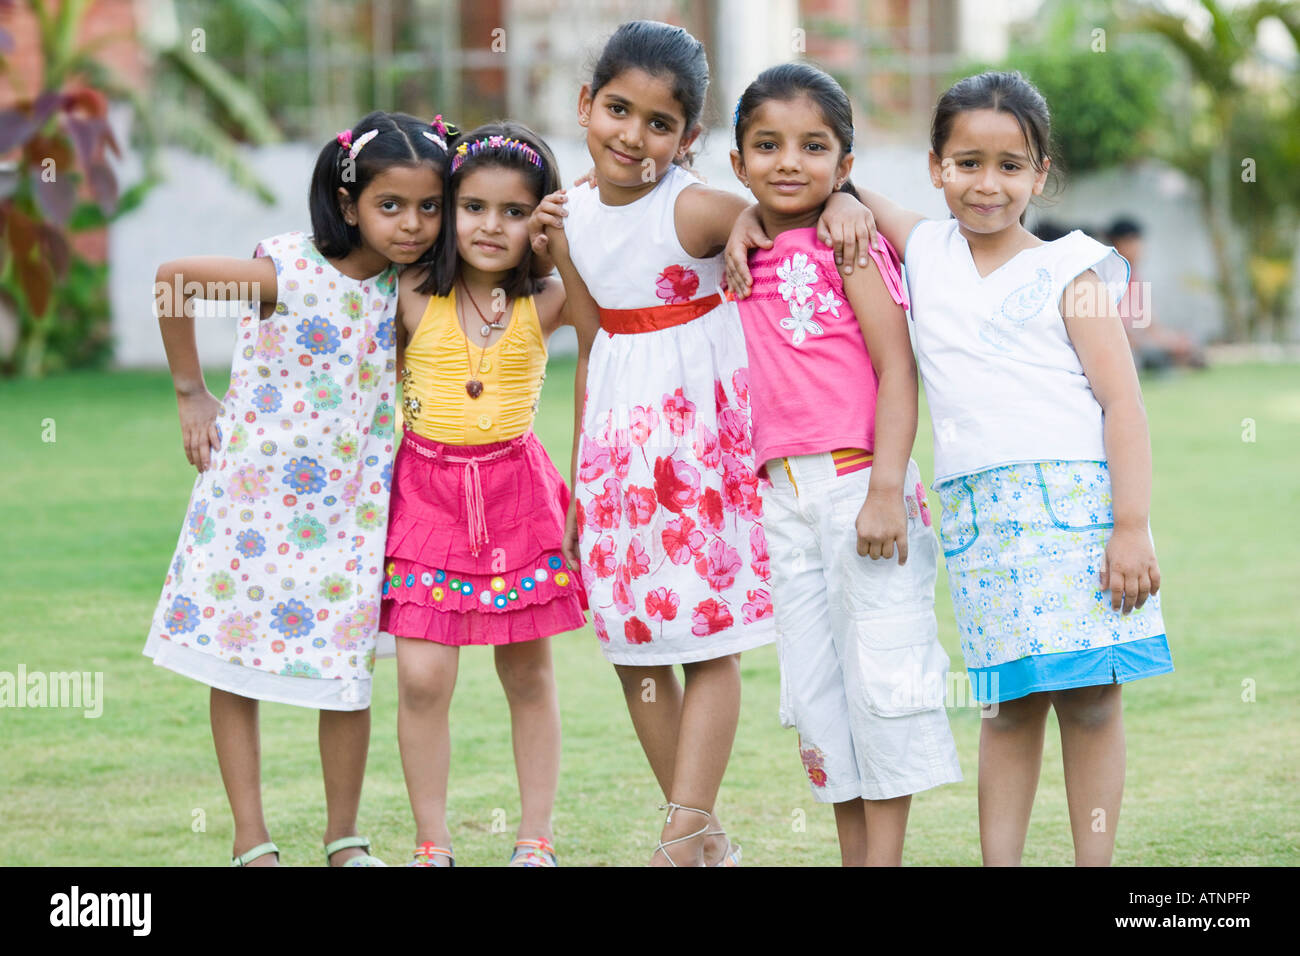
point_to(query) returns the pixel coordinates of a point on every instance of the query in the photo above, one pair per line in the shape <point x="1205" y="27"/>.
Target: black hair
<point x="790" y="81"/>
<point x="542" y="180"/>
<point x="1003" y="91"/>
<point x="400" y="142"/>
<point x="1006" y="92"/>
<point x="1122" y="228"/>
<point x="660" y="50"/>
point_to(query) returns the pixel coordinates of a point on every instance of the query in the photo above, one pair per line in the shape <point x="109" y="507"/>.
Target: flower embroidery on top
<point x="801" y="322"/>
<point x="829" y="303"/>
<point x="677" y="284"/>
<point x="797" y="276"/>
<point x="1017" y="309"/>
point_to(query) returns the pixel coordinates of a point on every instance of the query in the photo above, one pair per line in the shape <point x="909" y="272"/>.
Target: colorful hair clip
<point x="439" y="125"/>
<point x="735" y="117"/>
<point x="492" y="144"/>
<point x="344" y="138"/>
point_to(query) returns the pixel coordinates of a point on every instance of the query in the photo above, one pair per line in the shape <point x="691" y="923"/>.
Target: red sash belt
<point x="654" y="318"/>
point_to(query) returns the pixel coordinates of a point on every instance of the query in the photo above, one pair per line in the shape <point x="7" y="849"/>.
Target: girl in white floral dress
<point x="666" y="522"/>
<point x="273" y="592"/>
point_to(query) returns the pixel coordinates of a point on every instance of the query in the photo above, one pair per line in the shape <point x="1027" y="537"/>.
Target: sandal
<point x="732" y="856"/>
<point x="702" y="831"/>
<point x="533" y="853"/>
<point x="425" y="852"/>
<point x="262" y="849"/>
<point x="344" y="843"/>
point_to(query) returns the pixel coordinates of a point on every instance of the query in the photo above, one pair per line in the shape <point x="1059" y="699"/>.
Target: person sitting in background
<point x="1154" y="345"/>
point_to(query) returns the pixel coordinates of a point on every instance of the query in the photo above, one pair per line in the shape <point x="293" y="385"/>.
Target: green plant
<point x="1103" y="103"/>
<point x="62" y="183"/>
<point x="1237" y="136"/>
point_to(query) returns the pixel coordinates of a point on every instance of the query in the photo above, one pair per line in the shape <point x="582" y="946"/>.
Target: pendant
<point x="474" y="387"/>
<point x="485" y="331"/>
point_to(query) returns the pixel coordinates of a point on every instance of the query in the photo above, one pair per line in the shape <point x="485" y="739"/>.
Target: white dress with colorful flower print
<point x="273" y="591"/>
<point x="674" y="557"/>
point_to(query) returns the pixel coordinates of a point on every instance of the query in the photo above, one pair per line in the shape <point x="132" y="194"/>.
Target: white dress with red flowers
<point x="273" y="591"/>
<point x="674" y="558"/>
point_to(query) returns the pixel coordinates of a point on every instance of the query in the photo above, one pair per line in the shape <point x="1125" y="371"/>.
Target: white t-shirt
<point x="1003" y="382"/>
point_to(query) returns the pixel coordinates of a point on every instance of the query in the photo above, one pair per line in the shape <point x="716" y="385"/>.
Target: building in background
<point x="324" y="63"/>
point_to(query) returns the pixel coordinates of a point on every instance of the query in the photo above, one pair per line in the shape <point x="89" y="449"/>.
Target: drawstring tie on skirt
<point x="476" y="520"/>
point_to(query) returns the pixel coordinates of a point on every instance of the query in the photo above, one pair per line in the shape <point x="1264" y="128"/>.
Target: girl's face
<point x="493" y="204"/>
<point x="635" y="129"/>
<point x="985" y="171"/>
<point x="791" y="157"/>
<point x="399" y="213"/>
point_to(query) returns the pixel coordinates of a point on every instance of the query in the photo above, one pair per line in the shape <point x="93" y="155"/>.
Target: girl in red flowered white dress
<point x="666" y="517"/>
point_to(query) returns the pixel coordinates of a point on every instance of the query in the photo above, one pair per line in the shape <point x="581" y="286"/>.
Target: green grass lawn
<point x="90" y="521"/>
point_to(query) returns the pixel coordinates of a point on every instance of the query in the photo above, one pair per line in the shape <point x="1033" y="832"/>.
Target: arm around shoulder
<point x="704" y="218"/>
<point x="893" y="221"/>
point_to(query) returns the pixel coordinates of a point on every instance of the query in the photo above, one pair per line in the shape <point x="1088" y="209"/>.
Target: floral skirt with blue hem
<point x="1023" y="545"/>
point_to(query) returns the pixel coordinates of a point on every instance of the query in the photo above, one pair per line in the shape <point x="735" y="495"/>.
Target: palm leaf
<point x="232" y="96"/>
<point x="273" y="15"/>
<point x="201" y="136"/>
<point x="1205" y="64"/>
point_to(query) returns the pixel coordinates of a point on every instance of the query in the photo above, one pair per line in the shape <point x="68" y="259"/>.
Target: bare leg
<point x="654" y="700"/>
<point x="886" y="827"/>
<point x="851" y="827"/>
<point x="529" y="682"/>
<point x="344" y="743"/>
<point x="426" y="677"/>
<point x="1011" y="757"/>
<point x="1092" y="749"/>
<point x="710" y="712"/>
<point x="239" y="755"/>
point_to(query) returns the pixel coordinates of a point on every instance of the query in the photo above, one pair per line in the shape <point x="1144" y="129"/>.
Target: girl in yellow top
<point x="477" y="515"/>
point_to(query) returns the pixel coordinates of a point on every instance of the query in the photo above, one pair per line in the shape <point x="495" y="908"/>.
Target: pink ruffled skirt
<point x="474" y="536"/>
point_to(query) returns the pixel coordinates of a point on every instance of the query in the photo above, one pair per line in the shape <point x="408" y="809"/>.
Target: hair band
<point x="494" y="144"/>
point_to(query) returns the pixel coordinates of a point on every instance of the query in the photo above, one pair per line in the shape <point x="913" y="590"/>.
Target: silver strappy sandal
<point x="702" y="831"/>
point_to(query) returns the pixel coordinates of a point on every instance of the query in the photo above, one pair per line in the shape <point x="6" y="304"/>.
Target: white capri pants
<point x="863" y="675"/>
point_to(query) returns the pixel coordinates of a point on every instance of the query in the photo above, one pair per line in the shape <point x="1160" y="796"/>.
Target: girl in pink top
<point x="853" y="557"/>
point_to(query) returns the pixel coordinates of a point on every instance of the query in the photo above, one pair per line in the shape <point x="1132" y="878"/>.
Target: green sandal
<point x="344" y="843"/>
<point x="262" y="849"/>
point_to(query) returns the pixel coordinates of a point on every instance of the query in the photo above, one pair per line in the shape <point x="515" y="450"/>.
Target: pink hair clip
<point x="439" y="125"/>
<point x="434" y="138"/>
<point x="344" y="138"/>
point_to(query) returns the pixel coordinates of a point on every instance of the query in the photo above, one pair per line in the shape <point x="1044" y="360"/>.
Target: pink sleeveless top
<point x="812" y="387"/>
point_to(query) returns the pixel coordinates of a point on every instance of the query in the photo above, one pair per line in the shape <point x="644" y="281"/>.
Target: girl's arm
<point x="176" y="285"/>
<point x="846" y="225"/>
<point x="894" y="222"/>
<point x="580" y="311"/>
<point x="1129" y="570"/>
<point x="550" y="300"/>
<point x="704" y="218"/>
<point x="882" y="522"/>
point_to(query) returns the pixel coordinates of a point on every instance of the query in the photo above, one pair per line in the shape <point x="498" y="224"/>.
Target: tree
<point x="1238" y="137"/>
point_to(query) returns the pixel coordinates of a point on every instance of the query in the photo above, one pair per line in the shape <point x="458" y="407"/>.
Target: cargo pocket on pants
<point x="901" y="667"/>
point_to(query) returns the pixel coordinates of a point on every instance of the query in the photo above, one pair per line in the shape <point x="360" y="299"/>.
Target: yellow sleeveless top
<point x="434" y="401"/>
